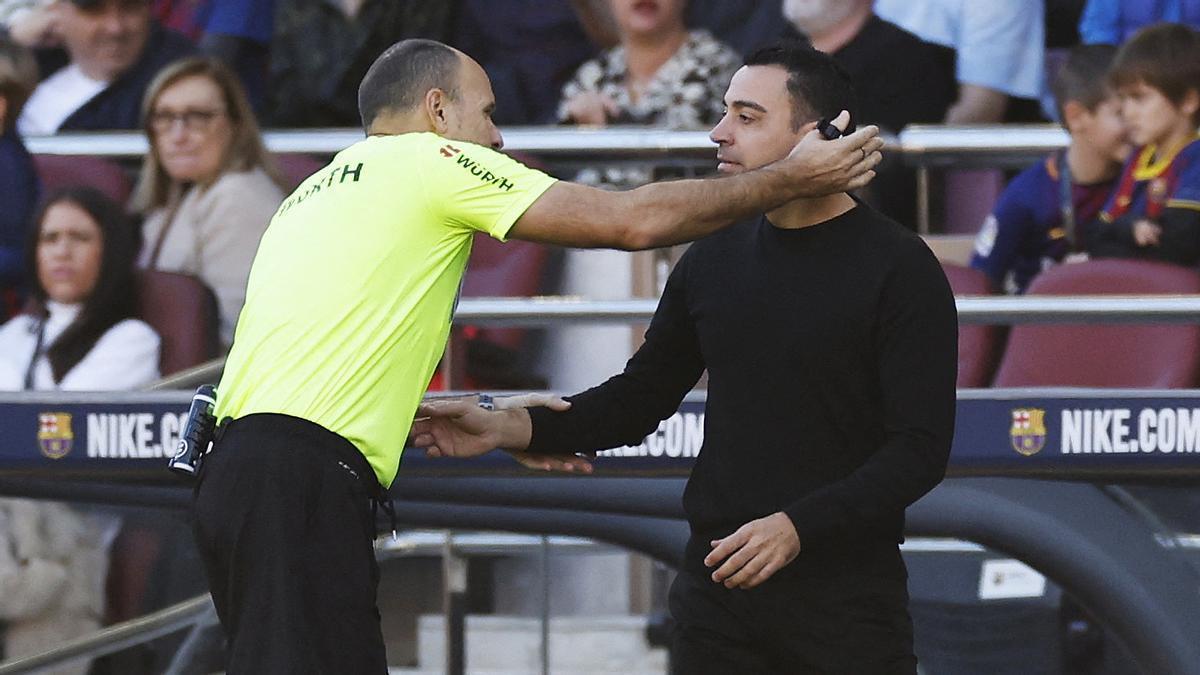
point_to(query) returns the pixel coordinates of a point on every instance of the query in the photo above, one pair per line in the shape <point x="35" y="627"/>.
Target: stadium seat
<point x="504" y="269"/>
<point x="1143" y="356"/>
<point x="64" y="171"/>
<point x="488" y="358"/>
<point x="296" y="167"/>
<point x="978" y="345"/>
<point x="970" y="195"/>
<point x="183" y="310"/>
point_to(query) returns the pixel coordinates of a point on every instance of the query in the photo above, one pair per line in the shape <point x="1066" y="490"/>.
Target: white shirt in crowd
<point x="55" y="99"/>
<point x="125" y="357"/>
<point x="999" y="44"/>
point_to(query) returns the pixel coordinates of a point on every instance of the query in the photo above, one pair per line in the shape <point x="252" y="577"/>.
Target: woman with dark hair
<point x="81" y="334"/>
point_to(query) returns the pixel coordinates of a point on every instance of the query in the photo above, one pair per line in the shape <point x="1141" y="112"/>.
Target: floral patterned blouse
<point x="685" y="93"/>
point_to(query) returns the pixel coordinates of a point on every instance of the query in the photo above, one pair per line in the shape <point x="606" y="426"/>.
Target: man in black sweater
<point x="829" y="334"/>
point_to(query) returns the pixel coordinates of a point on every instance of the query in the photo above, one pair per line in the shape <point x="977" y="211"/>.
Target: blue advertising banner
<point x="1059" y="432"/>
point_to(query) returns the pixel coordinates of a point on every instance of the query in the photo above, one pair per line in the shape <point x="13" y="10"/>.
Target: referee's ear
<point x="437" y="104"/>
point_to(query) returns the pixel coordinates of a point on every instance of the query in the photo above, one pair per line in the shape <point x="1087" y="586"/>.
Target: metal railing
<point x="1007" y="310"/>
<point x="556" y="141"/>
<point x="919" y="143"/>
<point x="971" y="309"/>
<point x="935" y="143"/>
<point x="194" y="612"/>
<point x="924" y="146"/>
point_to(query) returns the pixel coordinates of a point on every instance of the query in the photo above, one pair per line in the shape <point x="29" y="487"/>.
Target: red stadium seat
<point x="183" y="310"/>
<point x="1142" y="356"/>
<point x="978" y="345"/>
<point x="296" y="167"/>
<point x="970" y="195"/>
<point x="488" y="358"/>
<point x="64" y="171"/>
<point x="504" y="269"/>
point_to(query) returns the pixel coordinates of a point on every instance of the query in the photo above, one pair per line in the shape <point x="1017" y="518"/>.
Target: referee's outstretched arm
<point x="425" y="86"/>
<point x="662" y="214"/>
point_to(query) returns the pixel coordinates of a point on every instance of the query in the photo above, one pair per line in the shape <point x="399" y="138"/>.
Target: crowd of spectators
<point x="199" y="76"/>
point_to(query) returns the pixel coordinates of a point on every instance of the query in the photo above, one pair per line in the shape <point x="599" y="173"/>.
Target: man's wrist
<point x="516" y="429"/>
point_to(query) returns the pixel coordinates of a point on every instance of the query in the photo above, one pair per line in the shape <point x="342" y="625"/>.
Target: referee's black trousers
<point x="284" y="527"/>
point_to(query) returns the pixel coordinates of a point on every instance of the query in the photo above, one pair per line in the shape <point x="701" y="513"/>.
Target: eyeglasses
<point x="162" y="121"/>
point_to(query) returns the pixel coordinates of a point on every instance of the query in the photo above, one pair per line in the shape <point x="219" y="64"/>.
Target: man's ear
<point x="3" y="112"/>
<point x="436" y="104"/>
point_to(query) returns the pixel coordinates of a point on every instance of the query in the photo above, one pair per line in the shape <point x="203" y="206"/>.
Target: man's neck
<point x="91" y="73"/>
<point x="1089" y="166"/>
<point x="842" y="34"/>
<point x="394" y="124"/>
<point x="801" y="213"/>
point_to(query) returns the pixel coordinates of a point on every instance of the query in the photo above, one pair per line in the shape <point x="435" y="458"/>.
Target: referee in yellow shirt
<point x="347" y="311"/>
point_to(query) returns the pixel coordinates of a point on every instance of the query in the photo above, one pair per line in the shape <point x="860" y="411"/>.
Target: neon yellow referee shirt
<point x="351" y="293"/>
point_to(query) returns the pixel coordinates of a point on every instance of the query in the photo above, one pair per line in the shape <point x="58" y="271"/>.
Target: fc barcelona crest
<point x="55" y="435"/>
<point x="1028" y="432"/>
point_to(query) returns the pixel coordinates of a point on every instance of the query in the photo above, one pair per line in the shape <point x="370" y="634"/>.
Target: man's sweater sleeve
<point x="916" y="347"/>
<point x="627" y="407"/>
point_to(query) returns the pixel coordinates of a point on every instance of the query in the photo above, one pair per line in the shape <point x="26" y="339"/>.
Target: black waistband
<point x="314" y="435"/>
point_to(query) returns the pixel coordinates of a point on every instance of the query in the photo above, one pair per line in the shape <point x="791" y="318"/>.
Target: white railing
<point x="558" y="310"/>
<point x="915" y="142"/>
<point x="971" y="309"/>
<point x="923" y="146"/>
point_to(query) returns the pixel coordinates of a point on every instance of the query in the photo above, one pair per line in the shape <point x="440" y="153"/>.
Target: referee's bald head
<point x="403" y="74"/>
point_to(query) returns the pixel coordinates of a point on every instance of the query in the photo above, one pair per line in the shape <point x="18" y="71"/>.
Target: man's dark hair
<point x="1083" y="77"/>
<point x="115" y="296"/>
<point x="818" y="86"/>
<point x="401" y="76"/>
<point x="1165" y="56"/>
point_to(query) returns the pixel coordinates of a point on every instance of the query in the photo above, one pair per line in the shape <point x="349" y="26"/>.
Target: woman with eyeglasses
<point x="208" y="188"/>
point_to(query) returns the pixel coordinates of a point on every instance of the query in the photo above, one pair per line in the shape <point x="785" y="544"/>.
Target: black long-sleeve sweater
<point x="831" y="353"/>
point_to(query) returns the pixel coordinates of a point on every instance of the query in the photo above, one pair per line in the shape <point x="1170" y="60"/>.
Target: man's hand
<point x="1146" y="233"/>
<point x="755" y="552"/>
<point x="824" y="167"/>
<point x="460" y="428"/>
<point x="562" y="463"/>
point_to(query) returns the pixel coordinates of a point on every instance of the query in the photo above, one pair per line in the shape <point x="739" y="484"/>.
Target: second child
<point x="1154" y="213"/>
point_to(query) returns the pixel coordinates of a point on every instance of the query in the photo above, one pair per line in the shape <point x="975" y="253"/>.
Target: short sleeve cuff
<point x="518" y="208"/>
